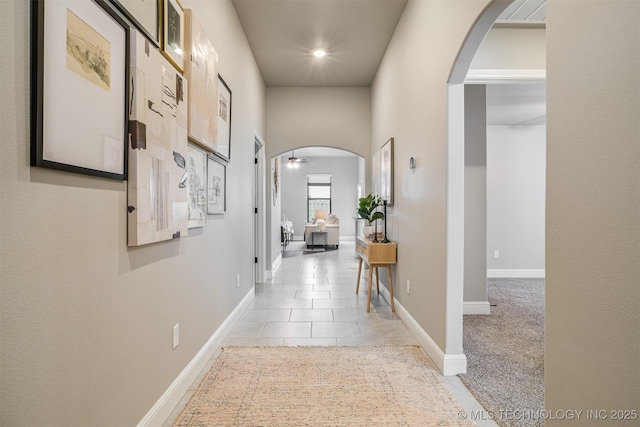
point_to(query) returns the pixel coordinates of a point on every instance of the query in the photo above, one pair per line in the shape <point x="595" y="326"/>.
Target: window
<point x="318" y="195"/>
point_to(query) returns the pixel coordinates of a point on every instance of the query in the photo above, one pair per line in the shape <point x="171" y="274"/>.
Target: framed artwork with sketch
<point x="173" y="32"/>
<point x="216" y="186"/>
<point x="80" y="69"/>
<point x="223" y="144"/>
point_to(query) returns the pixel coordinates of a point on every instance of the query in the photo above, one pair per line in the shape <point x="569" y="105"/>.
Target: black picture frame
<point x="153" y="11"/>
<point x="79" y="106"/>
<point x="222" y="147"/>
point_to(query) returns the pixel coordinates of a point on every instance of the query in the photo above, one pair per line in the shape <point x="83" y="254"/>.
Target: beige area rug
<point x="322" y="386"/>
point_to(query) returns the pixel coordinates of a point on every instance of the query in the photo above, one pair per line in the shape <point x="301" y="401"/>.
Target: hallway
<point x="311" y="301"/>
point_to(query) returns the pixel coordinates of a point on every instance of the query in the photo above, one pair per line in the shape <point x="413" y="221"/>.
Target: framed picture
<point x="80" y="65"/>
<point x="173" y="32"/>
<point x="145" y="15"/>
<point x="158" y="177"/>
<point x="386" y="172"/>
<point x="223" y="145"/>
<point x="216" y="186"/>
<point x="197" y="186"/>
<point x="201" y="70"/>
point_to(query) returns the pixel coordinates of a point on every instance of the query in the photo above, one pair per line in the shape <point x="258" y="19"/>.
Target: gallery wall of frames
<point x="130" y="90"/>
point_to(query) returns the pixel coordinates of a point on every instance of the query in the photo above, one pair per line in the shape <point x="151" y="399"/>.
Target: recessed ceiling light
<point x="319" y="53"/>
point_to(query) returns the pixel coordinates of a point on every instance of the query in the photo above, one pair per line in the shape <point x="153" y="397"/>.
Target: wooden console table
<point x="376" y="255"/>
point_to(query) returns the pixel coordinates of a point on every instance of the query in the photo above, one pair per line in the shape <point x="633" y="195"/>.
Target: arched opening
<point x="309" y="179"/>
<point x="472" y="235"/>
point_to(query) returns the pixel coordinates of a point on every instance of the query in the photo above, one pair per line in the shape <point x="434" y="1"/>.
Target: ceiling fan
<point x="293" y="162"/>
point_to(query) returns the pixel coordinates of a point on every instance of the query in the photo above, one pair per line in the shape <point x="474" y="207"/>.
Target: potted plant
<point x="367" y="210"/>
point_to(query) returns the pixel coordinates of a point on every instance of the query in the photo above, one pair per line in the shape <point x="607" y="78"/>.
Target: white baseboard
<point x="159" y="413"/>
<point x="476" y="307"/>
<point x="274" y="267"/>
<point x="516" y="274"/>
<point x="447" y="364"/>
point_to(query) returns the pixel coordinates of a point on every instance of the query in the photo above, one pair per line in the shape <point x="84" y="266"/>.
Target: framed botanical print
<point x="223" y="144"/>
<point x="201" y="70"/>
<point x="145" y="14"/>
<point x="80" y="60"/>
<point x="216" y="186"/>
<point x="173" y="32"/>
<point x="386" y="172"/>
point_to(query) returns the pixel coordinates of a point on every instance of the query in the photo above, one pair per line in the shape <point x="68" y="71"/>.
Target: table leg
<point x="378" y="279"/>
<point x="370" y="283"/>
<point x="359" y="271"/>
<point x="393" y="306"/>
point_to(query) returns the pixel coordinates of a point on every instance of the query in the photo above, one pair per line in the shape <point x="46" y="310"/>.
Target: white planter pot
<point x="369" y="230"/>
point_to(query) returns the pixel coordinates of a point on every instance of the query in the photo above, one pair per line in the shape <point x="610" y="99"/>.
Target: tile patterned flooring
<point x="312" y="301"/>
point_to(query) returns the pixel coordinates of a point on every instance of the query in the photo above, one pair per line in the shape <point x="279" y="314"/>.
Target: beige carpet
<point x="322" y="386"/>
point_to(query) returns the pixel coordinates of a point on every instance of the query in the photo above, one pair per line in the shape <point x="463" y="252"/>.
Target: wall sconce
<point x="412" y="163"/>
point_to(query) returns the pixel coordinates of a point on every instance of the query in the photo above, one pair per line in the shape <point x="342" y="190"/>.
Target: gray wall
<point x="592" y="356"/>
<point x="344" y="180"/>
<point x="475" y="194"/>
<point x="85" y="321"/>
<point x="516" y="167"/>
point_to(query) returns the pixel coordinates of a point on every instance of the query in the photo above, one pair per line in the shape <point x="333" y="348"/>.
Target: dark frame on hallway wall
<point x="222" y="147"/>
<point x="79" y="58"/>
<point x="144" y="15"/>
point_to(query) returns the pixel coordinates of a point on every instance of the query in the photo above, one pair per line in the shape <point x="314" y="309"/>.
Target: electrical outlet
<point x="237" y="281"/>
<point x="408" y="286"/>
<point x="176" y="336"/>
<point x="496" y="254"/>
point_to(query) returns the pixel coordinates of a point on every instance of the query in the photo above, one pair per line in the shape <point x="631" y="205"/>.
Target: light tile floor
<point x="312" y="301"/>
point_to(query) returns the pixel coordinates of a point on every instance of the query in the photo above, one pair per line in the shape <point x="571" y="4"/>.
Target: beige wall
<point x="85" y="321"/>
<point x="512" y="49"/>
<point x="318" y="117"/>
<point x="593" y="208"/>
<point x="410" y="103"/>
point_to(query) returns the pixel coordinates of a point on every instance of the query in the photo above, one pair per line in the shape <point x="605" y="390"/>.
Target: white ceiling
<point x="524" y="12"/>
<point x="355" y="33"/>
<point x="284" y="33"/>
